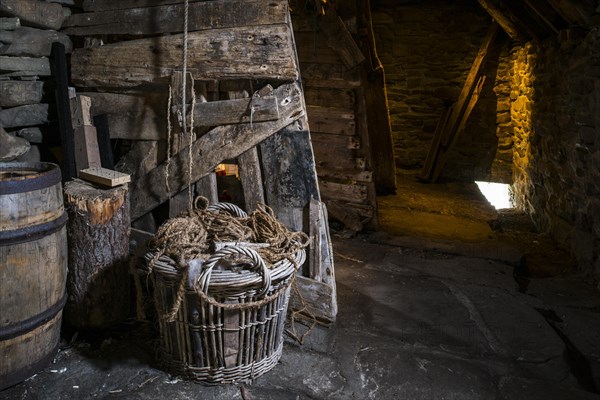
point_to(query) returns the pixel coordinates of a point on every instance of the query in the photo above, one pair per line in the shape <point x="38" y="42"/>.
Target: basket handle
<point x="203" y="281"/>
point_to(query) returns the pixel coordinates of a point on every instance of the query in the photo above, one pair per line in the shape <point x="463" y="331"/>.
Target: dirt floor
<point x="447" y="300"/>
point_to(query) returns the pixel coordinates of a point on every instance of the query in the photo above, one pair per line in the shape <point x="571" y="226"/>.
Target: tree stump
<point x="98" y="238"/>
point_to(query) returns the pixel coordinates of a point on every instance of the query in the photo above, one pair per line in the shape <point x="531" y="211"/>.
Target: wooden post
<point x="98" y="237"/>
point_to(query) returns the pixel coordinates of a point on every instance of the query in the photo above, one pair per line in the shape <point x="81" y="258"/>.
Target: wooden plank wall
<point x="337" y="120"/>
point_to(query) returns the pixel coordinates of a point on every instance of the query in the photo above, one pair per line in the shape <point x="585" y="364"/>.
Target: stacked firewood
<point x="28" y="28"/>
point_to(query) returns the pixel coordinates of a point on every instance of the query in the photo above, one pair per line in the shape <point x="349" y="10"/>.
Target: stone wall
<point x="556" y="118"/>
<point x="427" y="49"/>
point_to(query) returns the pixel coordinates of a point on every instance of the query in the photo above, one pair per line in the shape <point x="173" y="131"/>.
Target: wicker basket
<point x="229" y="325"/>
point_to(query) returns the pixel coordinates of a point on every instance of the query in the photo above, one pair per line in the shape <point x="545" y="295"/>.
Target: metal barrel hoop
<point x="203" y="281"/>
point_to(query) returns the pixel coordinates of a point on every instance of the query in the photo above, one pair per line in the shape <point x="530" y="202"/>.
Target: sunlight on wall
<point x="498" y="194"/>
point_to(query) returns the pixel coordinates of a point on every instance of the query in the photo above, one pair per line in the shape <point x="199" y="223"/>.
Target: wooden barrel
<point x="33" y="268"/>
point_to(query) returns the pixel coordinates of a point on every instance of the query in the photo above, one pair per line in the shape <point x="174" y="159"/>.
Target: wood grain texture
<point x="167" y="18"/>
<point x="221" y="143"/>
<point x="35" y="13"/>
<point x="261" y="52"/>
<point x="32" y="42"/>
<point x="24" y="66"/>
<point x="98" y="278"/>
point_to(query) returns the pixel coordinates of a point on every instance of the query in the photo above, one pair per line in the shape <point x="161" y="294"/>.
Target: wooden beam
<point x="260" y="52"/>
<point x="221" y="143"/>
<point x="372" y="105"/>
<point x="465" y="94"/>
<point x="496" y="12"/>
<point x="339" y="39"/>
<point x="104" y="5"/>
<point x="36" y="13"/>
<point x="572" y="12"/>
<point x="167" y="18"/>
<point x="235" y="111"/>
<point x="443" y="157"/>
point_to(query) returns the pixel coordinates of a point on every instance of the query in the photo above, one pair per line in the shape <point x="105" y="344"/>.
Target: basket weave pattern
<point x="230" y="330"/>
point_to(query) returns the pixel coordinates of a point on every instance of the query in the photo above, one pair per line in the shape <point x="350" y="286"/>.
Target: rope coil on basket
<point x="192" y="235"/>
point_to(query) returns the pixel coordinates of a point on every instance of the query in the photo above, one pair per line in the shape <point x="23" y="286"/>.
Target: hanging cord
<point x="184" y="105"/>
<point x="168" y="140"/>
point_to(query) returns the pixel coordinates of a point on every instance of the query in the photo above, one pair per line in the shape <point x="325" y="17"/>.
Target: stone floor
<point x="448" y="300"/>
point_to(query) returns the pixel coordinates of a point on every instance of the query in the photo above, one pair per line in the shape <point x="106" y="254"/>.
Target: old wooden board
<point x="356" y="193"/>
<point x="340" y="40"/>
<point x="289" y="174"/>
<point x="103" y="5"/>
<point x="207" y="187"/>
<point x="87" y="154"/>
<point x="345" y="174"/>
<point x="18" y="93"/>
<point x="251" y="178"/>
<point x="343" y="99"/>
<point x="104" y="177"/>
<point x="259" y="52"/>
<point x="332" y="125"/>
<point x="329" y="76"/>
<point x="32" y="42"/>
<point x="134" y="117"/>
<point x="235" y="111"/>
<point x="314" y="299"/>
<point x="221" y="143"/>
<point x="346" y="215"/>
<point x="24" y="66"/>
<point x="35" y="13"/>
<point x="331" y="142"/>
<point x="167" y="18"/>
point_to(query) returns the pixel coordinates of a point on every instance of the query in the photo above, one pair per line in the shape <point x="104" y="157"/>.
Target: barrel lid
<point x="16" y="177"/>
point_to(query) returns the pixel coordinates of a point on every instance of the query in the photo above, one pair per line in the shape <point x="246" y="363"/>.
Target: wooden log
<point x="29" y="115"/>
<point x="260" y="52"/>
<point x="132" y="117"/>
<point x="98" y="234"/>
<point x="221" y="143"/>
<point x="19" y="93"/>
<point x="32" y="42"/>
<point x="24" y="66"/>
<point x="289" y="175"/>
<point x="9" y="24"/>
<point x="35" y="13"/>
<point x="167" y="18"/>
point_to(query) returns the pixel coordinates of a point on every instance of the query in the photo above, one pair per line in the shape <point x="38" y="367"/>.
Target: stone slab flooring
<point x="422" y="315"/>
